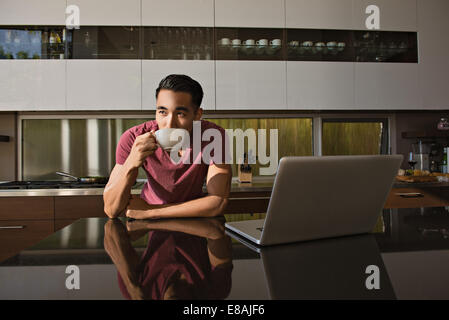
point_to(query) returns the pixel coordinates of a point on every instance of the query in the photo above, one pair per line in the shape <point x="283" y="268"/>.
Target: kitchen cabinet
<point x="108" y="12"/>
<point x="26" y="12"/>
<point x="32" y="85"/>
<point x="184" y="13"/>
<point x="246" y="85"/>
<point x="250" y="13"/>
<point x="17" y="235"/>
<point x="75" y="207"/>
<point x="397" y="15"/>
<point x="319" y="14"/>
<point x="320" y="85"/>
<point x="26" y="208"/>
<point x="104" y="84"/>
<point x="425" y="197"/>
<point x="433" y="26"/>
<point x="386" y="86"/>
<point x="153" y="71"/>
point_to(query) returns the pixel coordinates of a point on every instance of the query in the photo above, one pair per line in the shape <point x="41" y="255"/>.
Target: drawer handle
<point x="410" y="195"/>
<point x="12" y="227"/>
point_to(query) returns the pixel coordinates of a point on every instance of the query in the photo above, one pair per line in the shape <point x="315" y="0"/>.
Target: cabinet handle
<point x="410" y="195"/>
<point x="12" y="227"/>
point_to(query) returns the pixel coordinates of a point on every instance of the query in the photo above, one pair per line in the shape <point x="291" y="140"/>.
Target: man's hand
<point x="143" y="146"/>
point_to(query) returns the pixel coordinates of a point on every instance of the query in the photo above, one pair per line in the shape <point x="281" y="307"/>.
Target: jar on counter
<point x="443" y="124"/>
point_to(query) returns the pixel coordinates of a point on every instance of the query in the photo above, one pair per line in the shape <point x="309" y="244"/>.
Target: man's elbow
<point x="220" y="207"/>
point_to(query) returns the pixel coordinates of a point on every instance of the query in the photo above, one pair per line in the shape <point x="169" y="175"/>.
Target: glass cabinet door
<point x="112" y="42"/>
<point x="173" y="43"/>
<point x="34" y="42"/>
<point x="319" y="45"/>
<point x="249" y="44"/>
<point x="385" y="46"/>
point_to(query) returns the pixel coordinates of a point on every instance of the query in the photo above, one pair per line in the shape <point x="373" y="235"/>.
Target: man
<point x="172" y="190"/>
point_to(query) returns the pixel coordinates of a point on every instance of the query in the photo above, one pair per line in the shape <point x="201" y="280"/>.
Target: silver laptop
<point x="323" y="197"/>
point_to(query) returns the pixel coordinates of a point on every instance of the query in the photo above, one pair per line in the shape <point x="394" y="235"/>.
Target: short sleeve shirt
<point x="170" y="182"/>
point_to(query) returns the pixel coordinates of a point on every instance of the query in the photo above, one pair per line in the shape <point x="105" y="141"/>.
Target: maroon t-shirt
<point x="169" y="182"/>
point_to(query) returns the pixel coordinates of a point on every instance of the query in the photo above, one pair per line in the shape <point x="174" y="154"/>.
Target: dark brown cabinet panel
<point x="26" y="208"/>
<point x="17" y="235"/>
<point x="75" y="207"/>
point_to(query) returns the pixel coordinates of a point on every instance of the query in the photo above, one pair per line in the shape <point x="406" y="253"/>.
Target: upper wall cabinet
<point x="185" y="13"/>
<point x="397" y="15"/>
<point x="104" y="84"/>
<point x="319" y="14"/>
<point x="32" y="85"/>
<point x="153" y="71"/>
<point x="26" y="12"/>
<point x="250" y="13"/>
<point x="433" y="51"/>
<point x="108" y="12"/>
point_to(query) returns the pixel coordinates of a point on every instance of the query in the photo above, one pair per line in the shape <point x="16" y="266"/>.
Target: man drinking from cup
<point x="172" y="189"/>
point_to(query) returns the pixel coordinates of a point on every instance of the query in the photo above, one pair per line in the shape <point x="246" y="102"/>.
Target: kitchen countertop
<point x="410" y="248"/>
<point x="259" y="184"/>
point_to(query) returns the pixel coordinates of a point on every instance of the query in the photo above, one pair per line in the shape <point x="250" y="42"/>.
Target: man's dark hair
<point x="183" y="83"/>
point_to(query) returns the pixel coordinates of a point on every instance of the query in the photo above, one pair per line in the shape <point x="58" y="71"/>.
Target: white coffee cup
<point x="331" y="44"/>
<point x="341" y="46"/>
<point x="236" y="43"/>
<point x="294" y="43"/>
<point x="167" y="138"/>
<point x="275" y="42"/>
<point x="224" y="42"/>
<point x="249" y="42"/>
<point x="262" y="42"/>
<point x="319" y="46"/>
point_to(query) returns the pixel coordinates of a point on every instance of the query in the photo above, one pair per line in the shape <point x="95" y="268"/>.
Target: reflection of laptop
<point x="322" y="197"/>
<point x="324" y="269"/>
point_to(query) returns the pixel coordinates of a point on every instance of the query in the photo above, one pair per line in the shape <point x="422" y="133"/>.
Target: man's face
<point x="175" y="110"/>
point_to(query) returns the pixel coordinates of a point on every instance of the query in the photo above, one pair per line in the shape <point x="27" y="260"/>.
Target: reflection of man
<point x="172" y="190"/>
<point x="184" y="259"/>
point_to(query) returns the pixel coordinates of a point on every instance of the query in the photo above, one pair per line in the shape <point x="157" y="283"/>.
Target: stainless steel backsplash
<point x="81" y="147"/>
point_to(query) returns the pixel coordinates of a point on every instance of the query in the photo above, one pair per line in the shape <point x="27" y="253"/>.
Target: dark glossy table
<point x="407" y="257"/>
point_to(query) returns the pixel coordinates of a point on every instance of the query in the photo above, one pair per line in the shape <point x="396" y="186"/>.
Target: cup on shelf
<point x="320" y="46"/>
<point x="248" y="46"/>
<point x="261" y="46"/>
<point x="224" y="42"/>
<point x="236" y="43"/>
<point x="307" y="45"/>
<point x="276" y="42"/>
<point x="341" y="46"/>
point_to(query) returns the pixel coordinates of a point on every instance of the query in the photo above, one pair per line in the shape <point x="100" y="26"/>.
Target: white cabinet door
<point x="31" y="12"/>
<point x="394" y="15"/>
<point x="153" y="71"/>
<point x="185" y="13"/>
<point x="320" y="85"/>
<point x="104" y="85"/>
<point x="251" y="85"/>
<point x="108" y="12"/>
<point x="433" y="53"/>
<point x="250" y="13"/>
<point x="319" y="14"/>
<point x="386" y="86"/>
<point x="50" y="85"/>
<point x="32" y="85"/>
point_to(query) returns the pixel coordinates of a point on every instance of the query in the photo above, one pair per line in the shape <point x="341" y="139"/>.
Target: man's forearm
<point x="117" y="193"/>
<point x="209" y="206"/>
